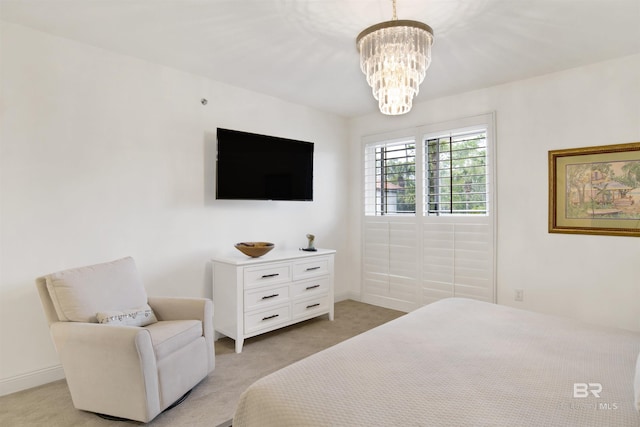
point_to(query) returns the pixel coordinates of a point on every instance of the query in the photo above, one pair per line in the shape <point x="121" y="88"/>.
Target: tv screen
<point x="259" y="167"/>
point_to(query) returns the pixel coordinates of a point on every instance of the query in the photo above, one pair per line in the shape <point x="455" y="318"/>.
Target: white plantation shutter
<point x="390" y="273"/>
<point x="473" y="272"/>
<point x="413" y="259"/>
<point x="403" y="271"/>
<point x="437" y="262"/>
<point x="457" y="261"/>
<point x="376" y="258"/>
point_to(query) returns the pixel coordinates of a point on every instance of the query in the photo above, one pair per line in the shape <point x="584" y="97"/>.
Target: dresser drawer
<point x="319" y="286"/>
<point x="265" y="319"/>
<point x="311" y="306"/>
<point x="267" y="274"/>
<point x="262" y="297"/>
<point x="312" y="267"/>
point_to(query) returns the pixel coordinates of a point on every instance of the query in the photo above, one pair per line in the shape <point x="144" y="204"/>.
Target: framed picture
<point x="595" y="190"/>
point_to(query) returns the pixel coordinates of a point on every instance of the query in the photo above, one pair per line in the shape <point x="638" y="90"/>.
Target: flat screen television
<point x="260" y="167"/>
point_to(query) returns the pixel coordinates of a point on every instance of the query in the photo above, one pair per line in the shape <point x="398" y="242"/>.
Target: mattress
<point x="457" y="362"/>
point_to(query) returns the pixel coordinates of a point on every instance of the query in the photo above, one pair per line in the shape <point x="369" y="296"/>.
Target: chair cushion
<point x="141" y="316"/>
<point x="168" y="336"/>
<point x="79" y="293"/>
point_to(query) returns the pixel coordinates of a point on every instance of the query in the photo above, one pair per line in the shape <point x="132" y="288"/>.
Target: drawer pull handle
<point x="312" y="268"/>
<point x="313" y="305"/>
<point x="266" y="276"/>
<point x="273" y="316"/>
<point x="312" y="287"/>
<point x="270" y="296"/>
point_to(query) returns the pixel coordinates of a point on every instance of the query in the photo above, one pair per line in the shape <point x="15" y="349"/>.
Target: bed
<point x="458" y="362"/>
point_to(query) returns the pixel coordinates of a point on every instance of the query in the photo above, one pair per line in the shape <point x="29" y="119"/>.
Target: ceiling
<point x="304" y="51"/>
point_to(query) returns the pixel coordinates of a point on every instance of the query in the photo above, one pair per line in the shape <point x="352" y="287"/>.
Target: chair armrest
<point x="118" y="361"/>
<point x="102" y="341"/>
<point x="175" y="308"/>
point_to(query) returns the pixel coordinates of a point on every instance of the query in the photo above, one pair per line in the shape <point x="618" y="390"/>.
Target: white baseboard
<point x="390" y="303"/>
<point x="346" y="295"/>
<point x="54" y="373"/>
<point x="31" y="379"/>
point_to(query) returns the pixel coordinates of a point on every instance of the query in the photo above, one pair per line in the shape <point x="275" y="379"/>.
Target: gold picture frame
<point x="595" y="190"/>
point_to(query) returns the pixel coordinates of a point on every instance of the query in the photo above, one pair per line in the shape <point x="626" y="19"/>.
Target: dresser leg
<point x="239" y="343"/>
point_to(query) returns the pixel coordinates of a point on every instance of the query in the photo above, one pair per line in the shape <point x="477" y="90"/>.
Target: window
<point x="432" y="237"/>
<point x="390" y="174"/>
<point x="456" y="181"/>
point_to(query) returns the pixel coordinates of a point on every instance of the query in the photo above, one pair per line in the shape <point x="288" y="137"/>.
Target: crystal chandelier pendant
<point x="394" y="56"/>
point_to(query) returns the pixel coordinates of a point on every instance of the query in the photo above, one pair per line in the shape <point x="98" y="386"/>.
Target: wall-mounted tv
<point x="260" y="167"/>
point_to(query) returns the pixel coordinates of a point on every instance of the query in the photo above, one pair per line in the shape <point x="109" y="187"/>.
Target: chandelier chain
<point x="395" y="15"/>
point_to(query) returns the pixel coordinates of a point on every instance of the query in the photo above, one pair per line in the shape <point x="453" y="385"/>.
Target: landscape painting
<point x="595" y="190"/>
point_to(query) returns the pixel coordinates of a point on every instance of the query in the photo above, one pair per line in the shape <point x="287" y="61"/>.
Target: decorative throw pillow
<point x="142" y="316"/>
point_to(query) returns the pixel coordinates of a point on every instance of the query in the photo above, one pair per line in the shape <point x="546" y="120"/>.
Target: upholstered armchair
<point x="125" y="355"/>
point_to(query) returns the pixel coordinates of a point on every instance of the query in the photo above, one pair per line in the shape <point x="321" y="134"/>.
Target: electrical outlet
<point x="519" y="295"/>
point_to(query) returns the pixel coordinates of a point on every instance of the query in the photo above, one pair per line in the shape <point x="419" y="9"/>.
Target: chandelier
<point x="395" y="55"/>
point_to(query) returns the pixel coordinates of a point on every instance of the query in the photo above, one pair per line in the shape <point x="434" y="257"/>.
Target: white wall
<point x="594" y="278"/>
<point x="104" y="156"/>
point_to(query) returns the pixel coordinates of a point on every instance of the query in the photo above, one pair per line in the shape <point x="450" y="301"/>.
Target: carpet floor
<point x="212" y="402"/>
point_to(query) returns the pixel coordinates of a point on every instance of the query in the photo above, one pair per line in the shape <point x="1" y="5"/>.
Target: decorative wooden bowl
<point x="254" y="249"/>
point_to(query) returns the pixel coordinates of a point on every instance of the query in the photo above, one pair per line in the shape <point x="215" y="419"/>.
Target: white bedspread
<point x="457" y="362"/>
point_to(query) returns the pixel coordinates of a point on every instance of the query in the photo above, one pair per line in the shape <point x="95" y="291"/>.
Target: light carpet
<point x="213" y="401"/>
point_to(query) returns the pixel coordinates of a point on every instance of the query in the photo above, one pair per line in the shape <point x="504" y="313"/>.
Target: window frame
<point x="412" y="260"/>
<point x="419" y="135"/>
<point x="369" y="202"/>
<point x="451" y="135"/>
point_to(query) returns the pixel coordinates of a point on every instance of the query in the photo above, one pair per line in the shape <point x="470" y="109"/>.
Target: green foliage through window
<point x="396" y="179"/>
<point x="456" y="168"/>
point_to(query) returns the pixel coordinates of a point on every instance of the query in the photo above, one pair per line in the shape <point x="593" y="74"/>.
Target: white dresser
<point x="252" y="296"/>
